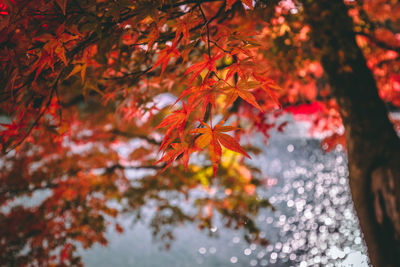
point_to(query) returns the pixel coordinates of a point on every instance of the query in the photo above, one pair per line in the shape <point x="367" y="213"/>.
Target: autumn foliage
<point x="93" y="89"/>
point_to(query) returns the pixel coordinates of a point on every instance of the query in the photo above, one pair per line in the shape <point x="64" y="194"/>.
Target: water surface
<point x="314" y="223"/>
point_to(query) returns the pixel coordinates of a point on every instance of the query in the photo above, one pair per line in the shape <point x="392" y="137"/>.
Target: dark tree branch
<point x="118" y="166"/>
<point x="133" y="135"/>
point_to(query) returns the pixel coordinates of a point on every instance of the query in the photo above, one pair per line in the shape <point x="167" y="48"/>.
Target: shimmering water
<point x="314" y="224"/>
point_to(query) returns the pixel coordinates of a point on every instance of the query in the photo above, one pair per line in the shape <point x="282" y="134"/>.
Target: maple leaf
<point x="241" y="90"/>
<point x="240" y="68"/>
<point x="214" y="138"/>
<point x="13" y="129"/>
<point x="178" y="149"/>
<point x="79" y="68"/>
<point x="154" y="33"/>
<point x="165" y="56"/>
<point x="175" y="121"/>
<point x="54" y="45"/>
<point x="207" y="63"/>
<point x="269" y="86"/>
<point x="60" y="52"/>
<point x="234" y="69"/>
<point x="183" y="27"/>
<point x="205" y="94"/>
<point x="45" y="59"/>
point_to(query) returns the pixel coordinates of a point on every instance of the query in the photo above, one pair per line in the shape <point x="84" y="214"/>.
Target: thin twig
<point x="54" y="87"/>
<point x="208" y="30"/>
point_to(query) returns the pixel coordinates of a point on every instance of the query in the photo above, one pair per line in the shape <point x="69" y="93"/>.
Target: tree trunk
<point x="372" y="144"/>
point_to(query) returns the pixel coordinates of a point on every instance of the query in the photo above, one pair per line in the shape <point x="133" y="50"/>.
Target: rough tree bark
<point x="372" y="144"/>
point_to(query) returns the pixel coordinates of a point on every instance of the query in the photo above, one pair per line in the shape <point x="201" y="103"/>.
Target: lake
<point x="314" y="223"/>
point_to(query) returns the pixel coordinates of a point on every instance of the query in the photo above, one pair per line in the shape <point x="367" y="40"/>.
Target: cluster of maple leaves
<point x="79" y="78"/>
<point x="206" y="87"/>
<point x="231" y="70"/>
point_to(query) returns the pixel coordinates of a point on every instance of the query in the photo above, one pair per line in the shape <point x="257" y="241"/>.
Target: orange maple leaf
<point x="214" y="138"/>
<point x="269" y="86"/>
<point x="241" y="90"/>
<point x="178" y="149"/>
<point x="207" y="63"/>
<point x="241" y="68"/>
<point x="205" y="94"/>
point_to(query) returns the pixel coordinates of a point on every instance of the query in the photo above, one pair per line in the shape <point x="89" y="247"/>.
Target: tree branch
<point x="118" y="166"/>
